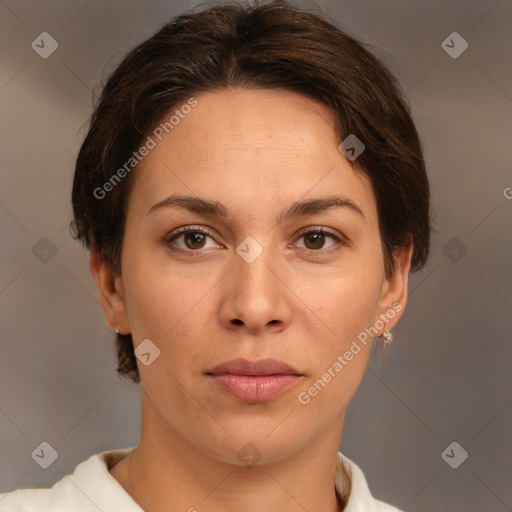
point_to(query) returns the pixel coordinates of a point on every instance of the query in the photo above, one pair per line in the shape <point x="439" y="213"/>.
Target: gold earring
<point x="387" y="337"/>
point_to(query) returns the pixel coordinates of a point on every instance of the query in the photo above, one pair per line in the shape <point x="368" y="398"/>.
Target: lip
<point x="254" y="381"/>
<point x="263" y="367"/>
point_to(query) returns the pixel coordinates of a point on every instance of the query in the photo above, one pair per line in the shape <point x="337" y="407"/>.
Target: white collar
<point x="91" y="487"/>
<point x="349" y="481"/>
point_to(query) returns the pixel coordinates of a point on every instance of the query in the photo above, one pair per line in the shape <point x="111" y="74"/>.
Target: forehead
<point x="243" y="145"/>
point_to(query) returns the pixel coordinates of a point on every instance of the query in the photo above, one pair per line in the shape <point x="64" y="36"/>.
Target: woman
<point x="253" y="193"/>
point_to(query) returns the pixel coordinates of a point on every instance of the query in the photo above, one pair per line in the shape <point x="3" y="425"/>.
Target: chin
<point x="253" y="449"/>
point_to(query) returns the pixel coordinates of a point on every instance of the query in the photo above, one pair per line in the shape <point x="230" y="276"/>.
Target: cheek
<point x="334" y="321"/>
<point x="339" y="354"/>
<point x="345" y="303"/>
<point x="169" y="307"/>
<point x="168" y="310"/>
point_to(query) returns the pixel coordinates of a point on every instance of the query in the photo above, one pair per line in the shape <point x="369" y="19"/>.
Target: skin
<point x="302" y="301"/>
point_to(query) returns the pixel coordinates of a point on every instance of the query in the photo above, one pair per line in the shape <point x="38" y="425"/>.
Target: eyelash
<point x="199" y="229"/>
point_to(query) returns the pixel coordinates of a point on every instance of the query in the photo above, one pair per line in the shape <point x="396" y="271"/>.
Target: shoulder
<point x="88" y="488"/>
<point x="357" y="494"/>
<point x="58" y="498"/>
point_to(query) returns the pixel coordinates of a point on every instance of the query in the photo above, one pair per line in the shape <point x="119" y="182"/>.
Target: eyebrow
<point x="297" y="209"/>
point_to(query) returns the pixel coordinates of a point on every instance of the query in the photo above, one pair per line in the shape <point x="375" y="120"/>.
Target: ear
<point x="394" y="290"/>
<point x="111" y="292"/>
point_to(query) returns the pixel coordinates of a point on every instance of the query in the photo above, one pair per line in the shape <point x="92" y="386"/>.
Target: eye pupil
<point x="194" y="238"/>
<point x="318" y="240"/>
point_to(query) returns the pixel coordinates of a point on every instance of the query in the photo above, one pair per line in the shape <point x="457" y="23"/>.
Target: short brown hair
<point x="272" y="46"/>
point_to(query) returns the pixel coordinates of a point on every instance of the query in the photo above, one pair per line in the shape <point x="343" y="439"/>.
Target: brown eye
<point x="194" y="238"/>
<point x="315" y="240"/>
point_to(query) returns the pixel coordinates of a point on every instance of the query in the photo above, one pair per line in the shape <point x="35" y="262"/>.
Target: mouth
<point x="254" y="381"/>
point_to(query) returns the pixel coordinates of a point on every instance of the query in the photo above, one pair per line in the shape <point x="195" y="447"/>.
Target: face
<point x="246" y="272"/>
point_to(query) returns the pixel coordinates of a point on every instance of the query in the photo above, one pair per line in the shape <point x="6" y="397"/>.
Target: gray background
<point x="446" y="376"/>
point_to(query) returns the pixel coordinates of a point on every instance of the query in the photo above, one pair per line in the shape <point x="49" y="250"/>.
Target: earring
<point x="387" y="337"/>
<point x="116" y="328"/>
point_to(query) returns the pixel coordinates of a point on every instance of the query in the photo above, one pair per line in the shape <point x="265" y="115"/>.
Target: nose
<point x="256" y="296"/>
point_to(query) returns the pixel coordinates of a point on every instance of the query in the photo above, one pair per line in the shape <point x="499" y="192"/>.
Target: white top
<point x="91" y="488"/>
